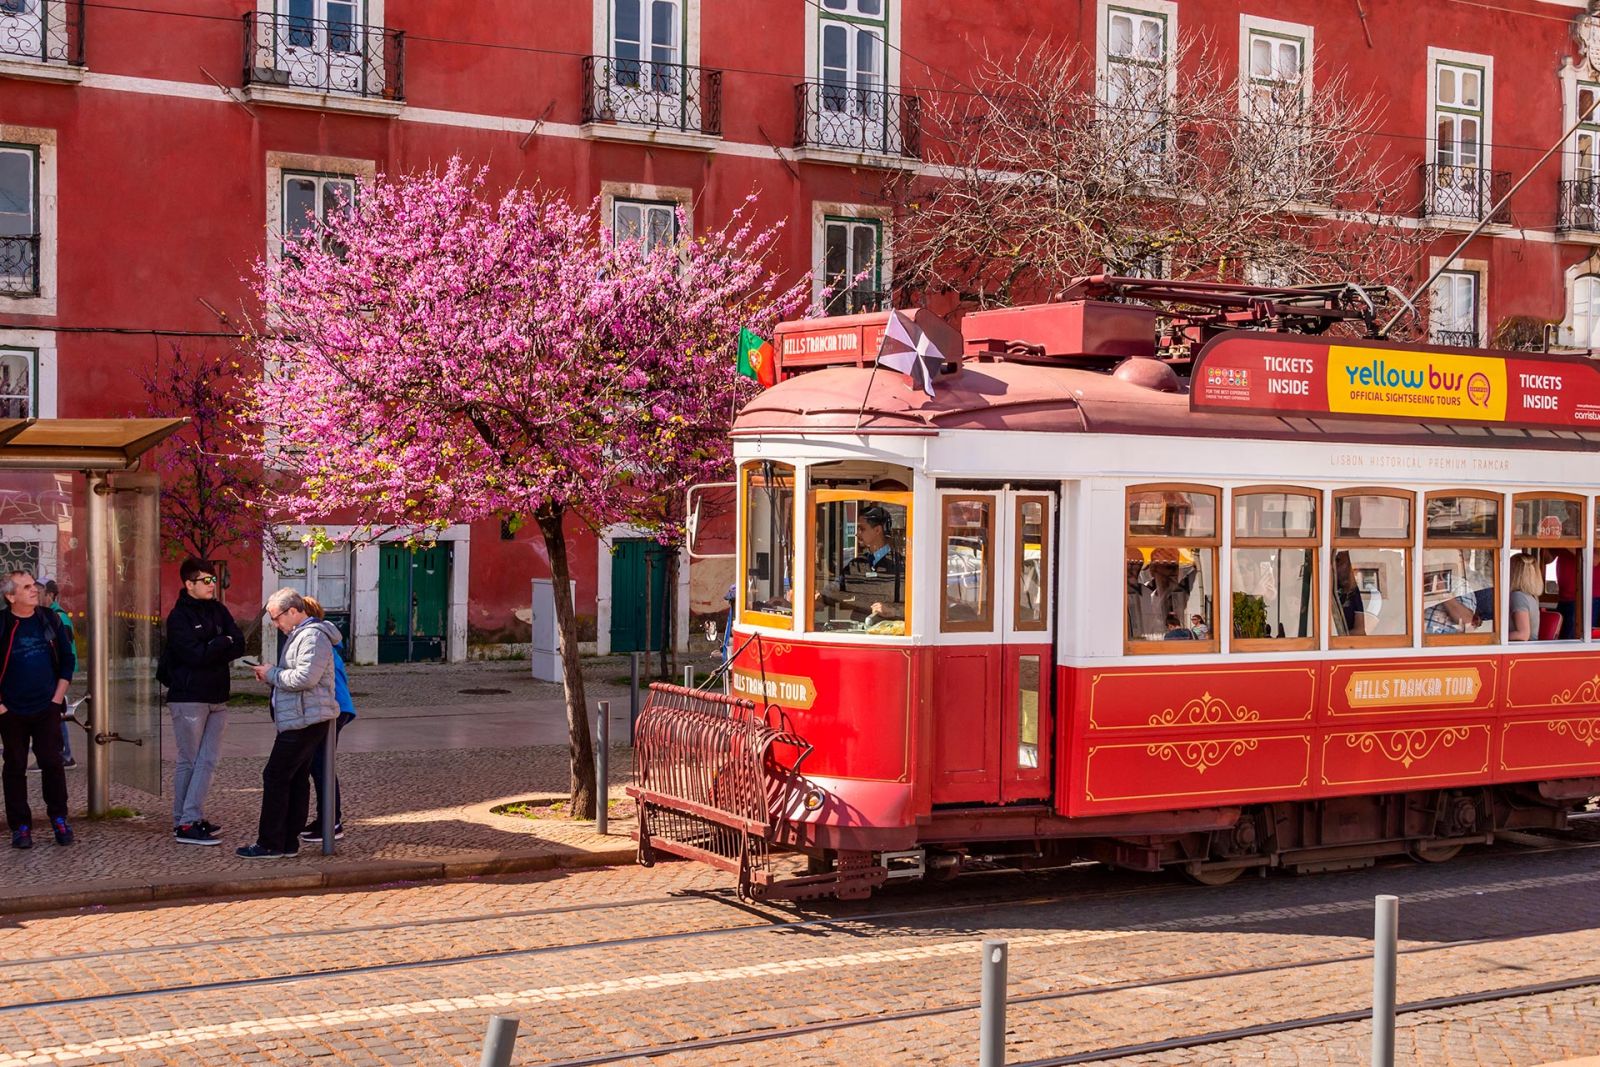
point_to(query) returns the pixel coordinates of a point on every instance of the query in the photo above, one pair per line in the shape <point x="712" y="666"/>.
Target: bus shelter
<point x="76" y="508"/>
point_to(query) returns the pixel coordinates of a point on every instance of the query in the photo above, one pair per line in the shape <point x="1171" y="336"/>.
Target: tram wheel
<point x="1200" y="874"/>
<point x="1434" y="851"/>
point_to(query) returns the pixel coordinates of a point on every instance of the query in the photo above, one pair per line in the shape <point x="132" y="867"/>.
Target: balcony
<point x="1450" y="191"/>
<point x="1455" y="338"/>
<point x="42" y="39"/>
<point x="835" y="123"/>
<point x="19" y="265"/>
<point x="640" y="100"/>
<point x="1580" y="206"/>
<point x="330" y="64"/>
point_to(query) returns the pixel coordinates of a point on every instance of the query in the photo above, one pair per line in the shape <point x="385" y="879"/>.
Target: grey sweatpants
<point x="198" y="730"/>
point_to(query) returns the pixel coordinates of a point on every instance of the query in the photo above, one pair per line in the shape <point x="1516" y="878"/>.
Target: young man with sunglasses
<point x="202" y="639"/>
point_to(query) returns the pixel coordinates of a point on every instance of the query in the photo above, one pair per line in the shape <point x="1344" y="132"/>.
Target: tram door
<point x="993" y="662"/>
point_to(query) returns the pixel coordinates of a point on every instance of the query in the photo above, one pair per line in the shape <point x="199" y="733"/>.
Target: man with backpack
<point x="202" y="639"/>
<point x="36" y="665"/>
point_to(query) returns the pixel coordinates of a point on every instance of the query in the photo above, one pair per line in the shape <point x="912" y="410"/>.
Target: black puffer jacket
<point x="202" y="639"/>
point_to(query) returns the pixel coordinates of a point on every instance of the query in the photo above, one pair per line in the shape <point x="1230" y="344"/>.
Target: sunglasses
<point x="276" y="617"/>
<point x="205" y="580"/>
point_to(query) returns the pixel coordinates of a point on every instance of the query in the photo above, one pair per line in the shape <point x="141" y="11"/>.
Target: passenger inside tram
<point x="1526" y="586"/>
<point x="861" y="568"/>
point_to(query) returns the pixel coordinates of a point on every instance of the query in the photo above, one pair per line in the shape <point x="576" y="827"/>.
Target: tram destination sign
<point x="1280" y="374"/>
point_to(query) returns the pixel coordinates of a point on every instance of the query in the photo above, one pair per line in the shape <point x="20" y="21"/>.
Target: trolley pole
<point x="499" y="1041"/>
<point x="992" y="1035"/>
<point x="1385" y="937"/>
<point x="602" y="769"/>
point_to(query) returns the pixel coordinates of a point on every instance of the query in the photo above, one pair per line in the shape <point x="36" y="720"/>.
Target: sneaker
<point x="290" y="855"/>
<point x="22" y="837"/>
<point x="69" y="762"/>
<point x="195" y="834"/>
<point x="257" y="852"/>
<point x="63" y="831"/>
<point x="208" y="826"/>
<point x="313" y="833"/>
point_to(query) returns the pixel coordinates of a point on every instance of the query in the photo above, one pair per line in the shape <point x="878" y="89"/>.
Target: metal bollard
<point x="688" y="677"/>
<point x="1385" y="938"/>
<point x="499" y="1041"/>
<point x="633" y="699"/>
<point x="992" y="1035"/>
<point x="602" y="769"/>
<point x="329" y="801"/>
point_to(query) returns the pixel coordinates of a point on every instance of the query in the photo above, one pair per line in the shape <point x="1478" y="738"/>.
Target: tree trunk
<point x="581" y="754"/>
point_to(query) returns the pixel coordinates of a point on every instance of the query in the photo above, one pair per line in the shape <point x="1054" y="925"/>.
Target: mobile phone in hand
<point x="250" y="661"/>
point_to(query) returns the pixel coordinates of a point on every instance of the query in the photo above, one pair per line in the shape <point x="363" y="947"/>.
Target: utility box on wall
<point x="546" y="652"/>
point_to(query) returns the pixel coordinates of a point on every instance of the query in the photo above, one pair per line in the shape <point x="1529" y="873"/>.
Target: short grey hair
<point x="287" y="599"/>
<point x="8" y="584"/>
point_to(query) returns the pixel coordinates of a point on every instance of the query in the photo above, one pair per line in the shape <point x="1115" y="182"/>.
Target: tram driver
<point x="870" y="587"/>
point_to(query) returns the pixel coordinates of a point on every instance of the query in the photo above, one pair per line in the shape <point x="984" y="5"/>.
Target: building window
<point x="1458" y="110"/>
<point x="1136" y="77"/>
<point x="651" y="224"/>
<point x="310" y="200"/>
<point x="19" y="220"/>
<point x="323" y="46"/>
<point x="1586" y="140"/>
<point x="853" y="265"/>
<point x="646" y="45"/>
<point x="1277" y="75"/>
<point x="1453" y="315"/>
<point x="1459" y="183"/>
<point x="1586" y="311"/>
<point x="19" y="377"/>
<point x="327" y="577"/>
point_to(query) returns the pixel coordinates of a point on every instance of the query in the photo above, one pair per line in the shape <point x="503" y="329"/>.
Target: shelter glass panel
<point x="768" y="544"/>
<point x="135" y="626"/>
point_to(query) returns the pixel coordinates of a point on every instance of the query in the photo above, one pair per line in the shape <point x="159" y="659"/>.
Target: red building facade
<point x="149" y="156"/>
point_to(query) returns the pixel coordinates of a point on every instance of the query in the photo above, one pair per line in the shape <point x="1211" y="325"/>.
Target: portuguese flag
<point x="756" y="359"/>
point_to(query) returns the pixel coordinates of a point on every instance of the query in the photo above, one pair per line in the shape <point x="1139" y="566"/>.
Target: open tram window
<point x="1370" y="599"/>
<point x="860" y="565"/>
<point x="1275" y="538"/>
<point x="1460" y="567"/>
<point x="767" y="548"/>
<point x="1171" y="562"/>
<point x="968" y="537"/>
<point x="1546" y="567"/>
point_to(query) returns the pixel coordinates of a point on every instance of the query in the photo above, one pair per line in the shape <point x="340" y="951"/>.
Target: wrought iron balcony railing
<point x="1463" y="192"/>
<point x="19" y="265"/>
<point x="1580" y="205"/>
<point x="835" y="115"/>
<point x="290" y="52"/>
<point x="1455" y="338"/>
<point x="663" y="96"/>
<point x="42" y="31"/>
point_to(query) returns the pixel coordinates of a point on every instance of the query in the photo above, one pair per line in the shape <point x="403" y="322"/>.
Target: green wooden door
<point x="413" y="603"/>
<point x="638" y="592"/>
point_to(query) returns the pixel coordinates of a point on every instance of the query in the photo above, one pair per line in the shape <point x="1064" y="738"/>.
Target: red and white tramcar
<point x="1320" y="600"/>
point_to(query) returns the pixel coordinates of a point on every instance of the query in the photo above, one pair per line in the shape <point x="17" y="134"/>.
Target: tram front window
<point x="861" y="573"/>
<point x="768" y="546"/>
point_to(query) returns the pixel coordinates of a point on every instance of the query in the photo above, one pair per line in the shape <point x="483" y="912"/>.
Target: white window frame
<point x="1252" y="27"/>
<point x="1455" y="58"/>
<point x="851" y="224"/>
<point x="283" y="164"/>
<point x="1480" y="315"/>
<point x="323" y="183"/>
<point x="821" y="212"/>
<point x="647" y="209"/>
<point x="1164" y="10"/>
<point x="679" y="196"/>
<point x="41" y="345"/>
<point x="1567" y="331"/>
<point x="889" y="22"/>
<point x="1575" y="336"/>
<point x="43" y="144"/>
<point x="603" y="43"/>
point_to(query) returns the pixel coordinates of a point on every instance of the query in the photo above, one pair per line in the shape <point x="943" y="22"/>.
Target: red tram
<point x="1162" y="576"/>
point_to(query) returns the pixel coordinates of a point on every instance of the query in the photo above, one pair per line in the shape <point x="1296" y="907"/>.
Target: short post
<point x="602" y="769"/>
<point x="1385" y="938"/>
<point x="992" y="1036"/>
<point x="499" y="1041"/>
<point x="329" y="800"/>
<point x="688" y="677"/>
<point x="633" y="698"/>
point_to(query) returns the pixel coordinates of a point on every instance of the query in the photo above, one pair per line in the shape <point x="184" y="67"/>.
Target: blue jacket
<point x="341" y="681"/>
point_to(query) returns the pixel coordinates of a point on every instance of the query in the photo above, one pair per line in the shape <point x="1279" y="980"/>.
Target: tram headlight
<point x="813" y="799"/>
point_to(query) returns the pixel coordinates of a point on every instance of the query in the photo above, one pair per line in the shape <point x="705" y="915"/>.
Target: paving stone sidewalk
<point x="420" y="780"/>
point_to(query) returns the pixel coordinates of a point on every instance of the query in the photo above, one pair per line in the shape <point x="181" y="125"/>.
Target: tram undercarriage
<point x="719" y="784"/>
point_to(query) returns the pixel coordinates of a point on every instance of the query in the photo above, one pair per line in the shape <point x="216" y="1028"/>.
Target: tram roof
<point x="1051" y="399"/>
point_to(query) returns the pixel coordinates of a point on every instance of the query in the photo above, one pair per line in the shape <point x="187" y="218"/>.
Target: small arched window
<point x="1586" y="311"/>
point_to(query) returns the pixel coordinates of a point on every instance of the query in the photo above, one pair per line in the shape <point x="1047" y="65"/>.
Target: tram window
<point x="1460" y="568"/>
<point x="968" y="537"/>
<point x="1370" y="598"/>
<point x="1027" y="711"/>
<point x="1171" y="564"/>
<point x="1275" y="536"/>
<point x="1031" y="596"/>
<point x="768" y="546"/>
<point x="1547" y="569"/>
<point x="861" y="576"/>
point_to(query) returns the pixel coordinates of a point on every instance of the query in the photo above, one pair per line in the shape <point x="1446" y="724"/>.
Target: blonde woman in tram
<point x="1526" y="584"/>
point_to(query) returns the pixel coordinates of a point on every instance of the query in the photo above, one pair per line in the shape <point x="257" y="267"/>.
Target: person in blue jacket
<point x="347" y="713"/>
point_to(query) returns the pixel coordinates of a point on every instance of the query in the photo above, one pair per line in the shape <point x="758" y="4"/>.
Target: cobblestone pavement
<point x="612" y="962"/>
<point x="419" y="782"/>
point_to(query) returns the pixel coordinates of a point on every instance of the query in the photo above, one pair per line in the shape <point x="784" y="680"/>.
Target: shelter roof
<point x="1040" y="398"/>
<point x="80" y="444"/>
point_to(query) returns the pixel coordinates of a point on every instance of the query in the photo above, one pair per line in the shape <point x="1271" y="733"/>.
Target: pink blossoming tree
<point x="437" y="355"/>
